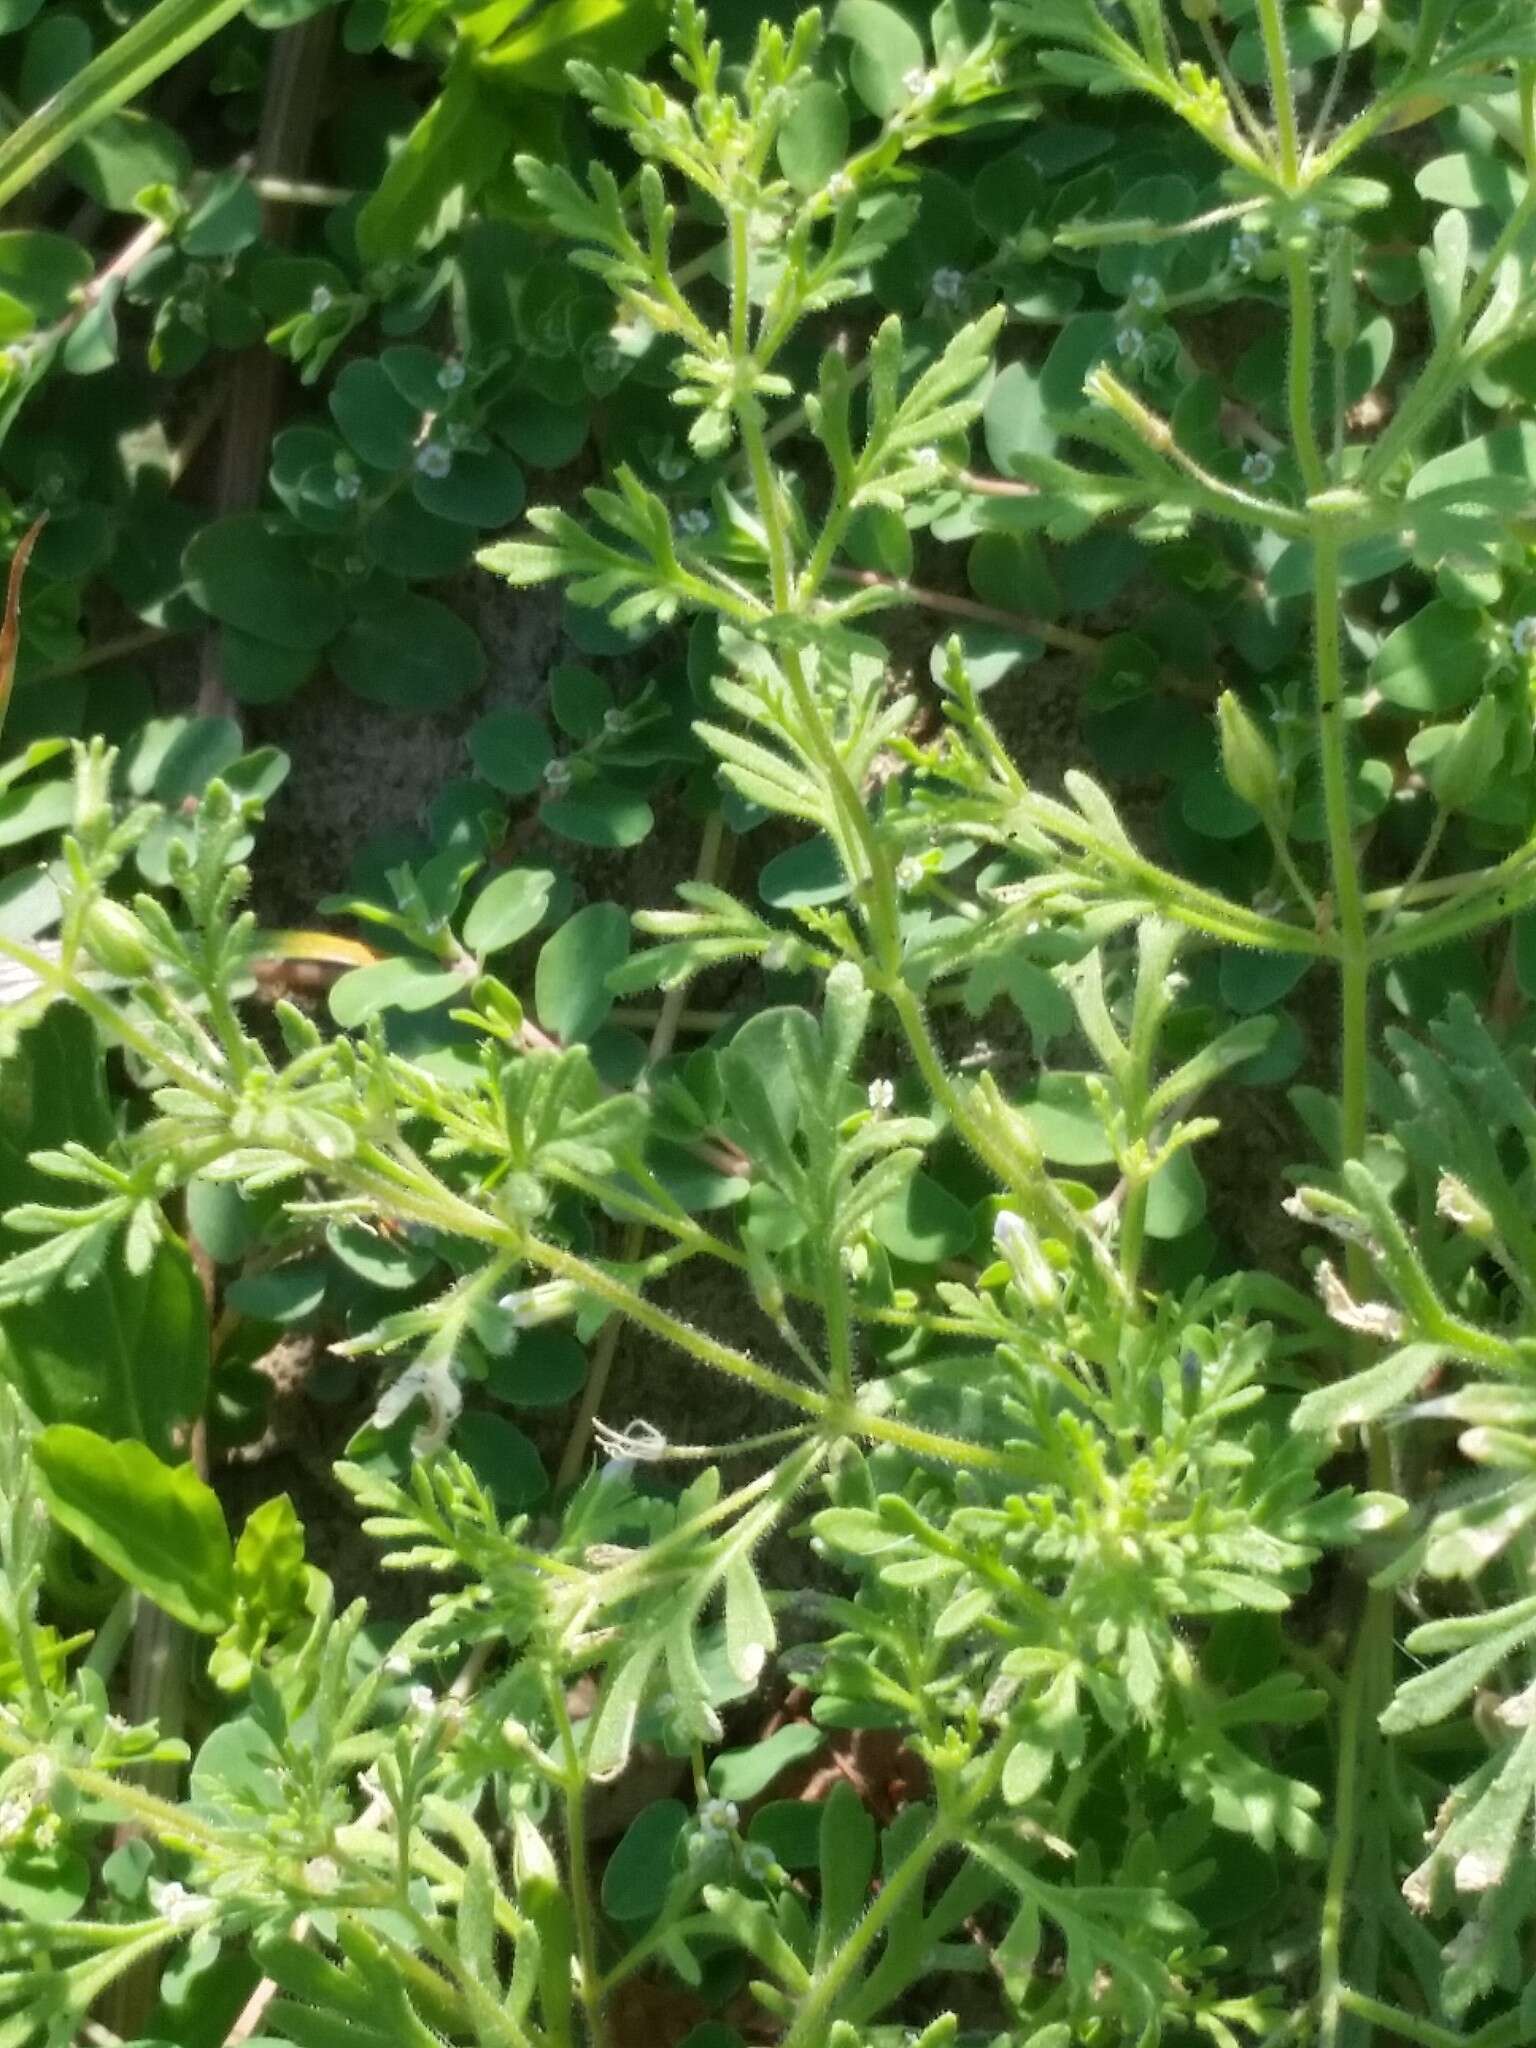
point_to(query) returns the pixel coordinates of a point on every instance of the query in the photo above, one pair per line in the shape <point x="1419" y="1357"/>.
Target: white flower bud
<point x="546" y="1303"/>
<point x="1033" y="1273"/>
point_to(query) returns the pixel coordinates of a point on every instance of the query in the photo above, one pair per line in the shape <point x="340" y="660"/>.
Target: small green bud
<point x="1247" y="758"/>
<point x="116" y="938"/>
<point x="497" y="1007"/>
<point x="1104" y="388"/>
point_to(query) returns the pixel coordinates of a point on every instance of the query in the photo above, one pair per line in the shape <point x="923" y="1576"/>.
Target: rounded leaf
<point x="412" y="654"/>
<point x="570" y="983"/>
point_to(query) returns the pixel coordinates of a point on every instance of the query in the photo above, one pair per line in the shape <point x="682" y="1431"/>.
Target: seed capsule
<point x="1247" y="758"/>
<point x="116" y="938"/>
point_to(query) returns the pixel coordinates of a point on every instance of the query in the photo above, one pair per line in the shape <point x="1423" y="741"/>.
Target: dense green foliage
<point x="1162" y="1624"/>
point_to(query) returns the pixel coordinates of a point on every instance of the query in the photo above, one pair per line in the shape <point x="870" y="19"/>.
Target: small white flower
<point x="175" y="1903"/>
<point x="640" y="1442"/>
<point x="1032" y="1270"/>
<point x="919" y="84"/>
<point x="839" y="187"/>
<point x="348" y="485"/>
<point x="434" y="459"/>
<point x="1146" y="291"/>
<point x="1523" y="634"/>
<point x="452" y="374"/>
<point x="321" y="299"/>
<point x="436" y="1387"/>
<point x="557" y="776"/>
<point x="528" y="1307"/>
<point x="947" y="286"/>
<point x="322" y="1873"/>
<point x="757" y="1861"/>
<point x="421" y="1699"/>
<point x="616" y="720"/>
<point x="670" y="466"/>
<point x="1258" y="466"/>
<point x="882" y="1095"/>
<point x="719" y="1816"/>
<point x="693" y="522"/>
<point x="928" y="458"/>
<point x="909" y="872"/>
<point x="14" y="1815"/>
<point x="1245" y="252"/>
<point x="397" y="1666"/>
<point x="1130" y="343"/>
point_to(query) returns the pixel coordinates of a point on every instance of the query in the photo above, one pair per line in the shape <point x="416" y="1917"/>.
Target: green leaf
<point x="283" y="1294"/>
<point x="245" y="574"/>
<point x="125" y="1353"/>
<point x="507" y="909"/>
<point x="1176" y="1198"/>
<point x="1069" y="1128"/>
<point x="453" y="147"/>
<point x="639" y="1871"/>
<point x="480" y="489"/>
<point x="1014" y="420"/>
<point x="570" y="988"/>
<point x="270" y="1572"/>
<point x="924" y="1224"/>
<point x="506" y="1462"/>
<point x="580" y="700"/>
<point x="156" y="41"/>
<point x="804" y="876"/>
<point x="127" y="152"/>
<point x="377" y="1260"/>
<point x="1366" y="1396"/>
<point x="535" y="57"/>
<point x="1433" y="1694"/>
<point x="225" y="220"/>
<point x="392" y="985"/>
<point x="38" y="808"/>
<point x="412" y="654"/>
<point x="886" y="48"/>
<point x="46" y="1885"/>
<point x="259" y="673"/>
<point x="1433" y="662"/>
<point x="544" y="1369"/>
<point x="42" y="271"/>
<point x="379" y="425"/>
<point x="814" y="139"/>
<point x="511" y="750"/>
<point x="1471" y="179"/>
<point x="847" y="1860"/>
<point x="741" y="1774"/>
<point x="600" y="814"/>
<point x="158" y="1526"/>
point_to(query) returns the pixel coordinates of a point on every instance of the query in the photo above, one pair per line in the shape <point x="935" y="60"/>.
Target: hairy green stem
<point x="575" y="1791"/>
<point x="1277" y="62"/>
